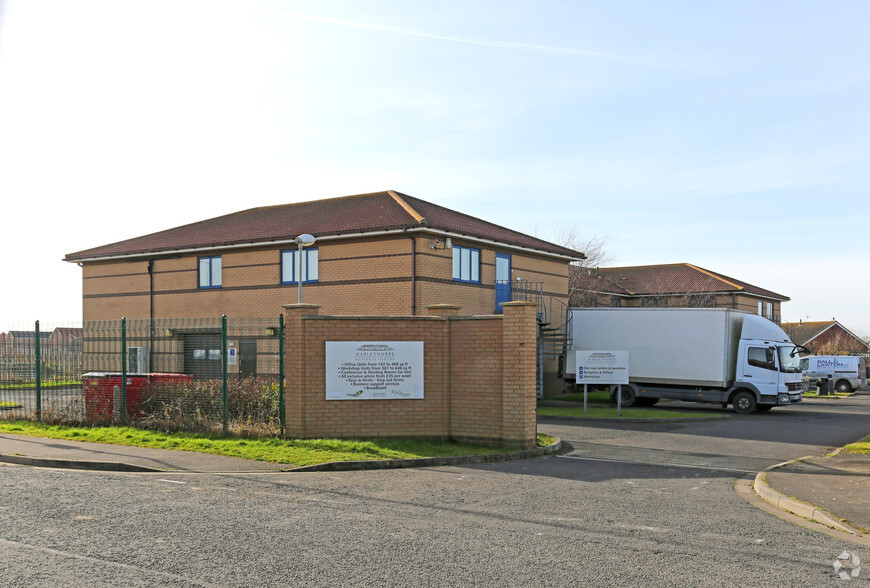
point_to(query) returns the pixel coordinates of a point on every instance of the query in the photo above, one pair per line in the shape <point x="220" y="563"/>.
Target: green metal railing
<point x="212" y="374"/>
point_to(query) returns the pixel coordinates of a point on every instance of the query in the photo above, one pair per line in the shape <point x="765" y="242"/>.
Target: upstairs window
<point x="466" y="264"/>
<point x="210" y="272"/>
<point x="291" y="268"/>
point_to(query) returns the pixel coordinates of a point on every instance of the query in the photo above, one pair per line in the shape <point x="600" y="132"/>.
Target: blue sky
<point x="730" y="135"/>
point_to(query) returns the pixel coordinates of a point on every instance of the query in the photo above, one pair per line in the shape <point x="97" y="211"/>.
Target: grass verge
<point x="596" y="396"/>
<point x="44" y="385"/>
<point x="834" y="395"/>
<point x="300" y="452"/>
<point x="606" y="411"/>
<point x="862" y="446"/>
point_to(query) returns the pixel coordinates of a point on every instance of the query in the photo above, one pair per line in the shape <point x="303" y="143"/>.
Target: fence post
<point x="38" y="349"/>
<point x="124" y="369"/>
<point x="281" y="374"/>
<point x="224" y="395"/>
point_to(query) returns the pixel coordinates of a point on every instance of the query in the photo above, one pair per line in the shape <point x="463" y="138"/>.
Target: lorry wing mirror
<point x="800" y="348"/>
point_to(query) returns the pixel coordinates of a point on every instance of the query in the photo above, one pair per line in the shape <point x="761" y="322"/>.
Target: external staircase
<point x="554" y="323"/>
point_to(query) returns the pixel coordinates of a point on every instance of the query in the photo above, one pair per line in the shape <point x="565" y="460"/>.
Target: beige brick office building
<point x="383" y="253"/>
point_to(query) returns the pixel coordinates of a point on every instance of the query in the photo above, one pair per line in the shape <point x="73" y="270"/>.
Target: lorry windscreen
<point x="789" y="361"/>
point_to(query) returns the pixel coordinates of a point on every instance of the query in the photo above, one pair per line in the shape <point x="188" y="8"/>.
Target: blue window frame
<point x="502" y="280"/>
<point x="290" y="266"/>
<point x="466" y="264"/>
<point x="210" y="272"/>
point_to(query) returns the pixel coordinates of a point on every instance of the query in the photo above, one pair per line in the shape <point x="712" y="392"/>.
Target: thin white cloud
<point x="477" y="41"/>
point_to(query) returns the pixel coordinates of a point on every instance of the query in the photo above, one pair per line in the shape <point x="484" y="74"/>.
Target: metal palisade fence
<point x="206" y="375"/>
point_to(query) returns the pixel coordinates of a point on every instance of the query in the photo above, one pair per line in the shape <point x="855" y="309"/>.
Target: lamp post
<point x="302" y="241"/>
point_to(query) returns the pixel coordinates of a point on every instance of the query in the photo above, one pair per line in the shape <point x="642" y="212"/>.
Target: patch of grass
<point x="9" y="405"/>
<point x="596" y="396"/>
<point x="545" y="440"/>
<point x="628" y="413"/>
<point x="829" y="395"/>
<point x="299" y="452"/>
<point x="44" y="385"/>
<point x="862" y="446"/>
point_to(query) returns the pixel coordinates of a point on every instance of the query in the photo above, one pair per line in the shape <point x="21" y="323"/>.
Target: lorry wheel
<point x="629" y="399"/>
<point x="744" y="403"/>
<point x="844" y="386"/>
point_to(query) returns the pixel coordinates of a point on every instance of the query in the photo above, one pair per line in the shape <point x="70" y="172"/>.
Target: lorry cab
<point x="768" y="371"/>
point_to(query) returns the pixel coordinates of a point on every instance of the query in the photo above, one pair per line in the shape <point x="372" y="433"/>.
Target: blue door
<point x="502" y="280"/>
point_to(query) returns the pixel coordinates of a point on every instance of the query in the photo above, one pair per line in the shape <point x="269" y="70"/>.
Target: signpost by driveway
<point x="602" y="367"/>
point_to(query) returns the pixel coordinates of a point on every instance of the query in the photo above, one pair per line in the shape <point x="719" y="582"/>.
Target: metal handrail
<point x="550" y="309"/>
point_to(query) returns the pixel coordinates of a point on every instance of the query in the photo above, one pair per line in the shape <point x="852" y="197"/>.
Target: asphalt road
<point x="625" y="504"/>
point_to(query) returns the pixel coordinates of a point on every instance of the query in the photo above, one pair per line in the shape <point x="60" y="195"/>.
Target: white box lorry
<point x="844" y="372"/>
<point x="711" y="355"/>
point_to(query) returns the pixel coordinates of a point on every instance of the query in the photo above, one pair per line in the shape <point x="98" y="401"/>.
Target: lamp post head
<point x="304" y="240"/>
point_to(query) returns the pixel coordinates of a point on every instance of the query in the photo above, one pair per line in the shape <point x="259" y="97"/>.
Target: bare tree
<point x="837" y="344"/>
<point x="583" y="279"/>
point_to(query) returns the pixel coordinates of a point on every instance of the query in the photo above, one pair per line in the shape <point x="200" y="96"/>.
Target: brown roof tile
<point x="379" y="211"/>
<point x="804" y="332"/>
<point x="676" y="278"/>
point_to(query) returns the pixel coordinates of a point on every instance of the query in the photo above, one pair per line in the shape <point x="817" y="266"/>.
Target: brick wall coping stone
<point x="320" y="317"/>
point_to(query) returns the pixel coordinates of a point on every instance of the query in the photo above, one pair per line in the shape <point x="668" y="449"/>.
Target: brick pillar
<point x="444" y="310"/>
<point x="519" y="357"/>
<point x="294" y="367"/>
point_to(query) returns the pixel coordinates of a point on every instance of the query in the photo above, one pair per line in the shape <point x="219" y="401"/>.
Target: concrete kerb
<point x="71" y="464"/>
<point x="802" y="509"/>
<point x="545" y="418"/>
<point x="337" y="466"/>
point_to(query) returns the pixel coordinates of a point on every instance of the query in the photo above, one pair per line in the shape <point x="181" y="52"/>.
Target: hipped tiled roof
<point x="671" y="279"/>
<point x="362" y="213"/>
<point x="804" y="332"/>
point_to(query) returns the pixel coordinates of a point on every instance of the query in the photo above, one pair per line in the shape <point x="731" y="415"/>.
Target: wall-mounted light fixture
<point x="271" y="331"/>
<point x="437" y="244"/>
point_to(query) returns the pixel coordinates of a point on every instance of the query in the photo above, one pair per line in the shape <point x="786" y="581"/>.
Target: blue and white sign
<point x="602" y="367"/>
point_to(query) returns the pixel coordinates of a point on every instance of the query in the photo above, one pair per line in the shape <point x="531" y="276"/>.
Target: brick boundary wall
<point x="479" y="376"/>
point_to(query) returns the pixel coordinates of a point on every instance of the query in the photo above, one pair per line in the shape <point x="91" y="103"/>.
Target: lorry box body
<point x="698" y="354"/>
<point x="665" y="345"/>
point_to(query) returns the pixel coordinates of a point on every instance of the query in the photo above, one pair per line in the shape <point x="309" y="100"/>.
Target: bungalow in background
<point x="826" y="338"/>
<point x="679" y="285"/>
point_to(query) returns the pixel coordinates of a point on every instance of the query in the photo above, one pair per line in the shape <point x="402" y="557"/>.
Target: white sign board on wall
<point x="374" y="370"/>
<point x="602" y="367"/>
